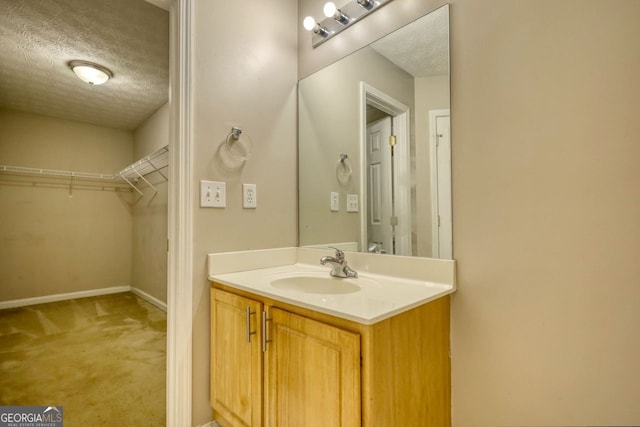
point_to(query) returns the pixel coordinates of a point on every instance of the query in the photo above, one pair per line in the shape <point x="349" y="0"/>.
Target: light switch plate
<point x="353" y="204"/>
<point x="213" y="194"/>
<point x="335" y="202"/>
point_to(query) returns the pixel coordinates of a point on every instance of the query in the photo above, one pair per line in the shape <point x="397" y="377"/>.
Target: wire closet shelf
<point x="56" y="173"/>
<point x="154" y="162"/>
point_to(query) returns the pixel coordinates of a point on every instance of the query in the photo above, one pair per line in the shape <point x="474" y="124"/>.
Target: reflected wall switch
<point x="352" y="203"/>
<point x="213" y="194"/>
<point x="335" y="202"/>
<point x="249" y="196"/>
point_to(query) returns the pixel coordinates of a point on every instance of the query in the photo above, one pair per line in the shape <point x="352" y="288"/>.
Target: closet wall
<point x="149" y="274"/>
<point x="54" y="241"/>
<point x="59" y="239"/>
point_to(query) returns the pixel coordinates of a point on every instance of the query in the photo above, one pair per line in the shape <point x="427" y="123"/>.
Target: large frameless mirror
<point x="375" y="147"/>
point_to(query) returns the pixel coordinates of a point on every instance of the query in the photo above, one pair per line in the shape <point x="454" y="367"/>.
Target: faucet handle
<point x="339" y="253"/>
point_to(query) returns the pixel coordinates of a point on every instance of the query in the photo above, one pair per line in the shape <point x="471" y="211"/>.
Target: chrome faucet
<point x="339" y="267"/>
<point x="376" y="248"/>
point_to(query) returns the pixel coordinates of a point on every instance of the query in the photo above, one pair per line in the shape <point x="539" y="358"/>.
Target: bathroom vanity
<point x="291" y="346"/>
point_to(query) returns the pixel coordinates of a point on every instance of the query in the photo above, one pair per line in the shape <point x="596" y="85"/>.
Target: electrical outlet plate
<point x="249" y="196"/>
<point x="335" y="202"/>
<point x="213" y="194"/>
<point x="352" y="203"/>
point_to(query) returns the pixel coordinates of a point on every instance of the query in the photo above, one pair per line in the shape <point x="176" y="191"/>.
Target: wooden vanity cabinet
<point x="320" y="370"/>
<point x="236" y="359"/>
<point x="312" y="373"/>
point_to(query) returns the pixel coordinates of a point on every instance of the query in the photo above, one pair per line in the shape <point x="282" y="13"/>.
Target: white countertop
<point x="380" y="296"/>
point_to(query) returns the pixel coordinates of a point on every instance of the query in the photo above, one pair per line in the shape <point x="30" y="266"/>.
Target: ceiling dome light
<point x="91" y="73"/>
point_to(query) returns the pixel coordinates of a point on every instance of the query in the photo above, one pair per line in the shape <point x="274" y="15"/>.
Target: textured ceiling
<point x="420" y="48"/>
<point x="39" y="37"/>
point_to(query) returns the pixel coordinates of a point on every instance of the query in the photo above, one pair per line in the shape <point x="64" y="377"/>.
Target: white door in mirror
<point x="379" y="184"/>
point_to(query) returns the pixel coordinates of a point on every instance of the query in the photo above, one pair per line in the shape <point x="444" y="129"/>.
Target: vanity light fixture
<point x="331" y="11"/>
<point x="89" y="72"/>
<point x="337" y="19"/>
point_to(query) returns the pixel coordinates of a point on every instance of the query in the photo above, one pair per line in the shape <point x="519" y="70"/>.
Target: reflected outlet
<point x="249" y="196"/>
<point x="335" y="202"/>
<point x="352" y="203"/>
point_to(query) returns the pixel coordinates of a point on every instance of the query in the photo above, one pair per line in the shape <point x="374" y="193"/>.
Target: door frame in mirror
<point x="400" y="115"/>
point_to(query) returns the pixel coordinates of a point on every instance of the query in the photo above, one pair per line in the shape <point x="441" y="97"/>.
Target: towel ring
<point x="343" y="167"/>
<point x="238" y="145"/>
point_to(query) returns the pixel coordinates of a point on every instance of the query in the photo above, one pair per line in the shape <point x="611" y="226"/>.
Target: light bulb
<point x="91" y="73"/>
<point x="308" y="23"/>
<point x="330" y="9"/>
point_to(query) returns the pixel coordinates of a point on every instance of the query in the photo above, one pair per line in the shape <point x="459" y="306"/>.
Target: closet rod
<point x="57" y="173"/>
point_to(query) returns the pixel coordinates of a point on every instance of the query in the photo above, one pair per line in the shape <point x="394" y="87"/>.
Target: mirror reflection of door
<point x="386" y="174"/>
<point x="441" y="184"/>
<point x="380" y="185"/>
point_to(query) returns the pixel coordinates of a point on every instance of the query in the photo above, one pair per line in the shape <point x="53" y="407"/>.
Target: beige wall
<point x="546" y="205"/>
<point x="52" y="243"/>
<point x="244" y="75"/>
<point x="329" y="116"/>
<point x="149" y="264"/>
<point x="152" y="134"/>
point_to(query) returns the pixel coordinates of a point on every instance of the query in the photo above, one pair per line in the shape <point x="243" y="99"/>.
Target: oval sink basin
<point x="316" y="285"/>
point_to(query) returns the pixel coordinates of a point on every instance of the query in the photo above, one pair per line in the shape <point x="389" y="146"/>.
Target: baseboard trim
<point x="150" y="299"/>
<point x="62" y="297"/>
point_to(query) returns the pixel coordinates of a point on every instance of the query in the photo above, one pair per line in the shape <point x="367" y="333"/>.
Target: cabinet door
<point x="236" y="359"/>
<point x="313" y="373"/>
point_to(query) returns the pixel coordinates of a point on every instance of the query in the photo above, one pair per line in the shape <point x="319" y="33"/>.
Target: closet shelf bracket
<point x="154" y="162"/>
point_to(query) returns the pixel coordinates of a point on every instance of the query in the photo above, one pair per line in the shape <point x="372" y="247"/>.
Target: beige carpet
<point x="101" y="358"/>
